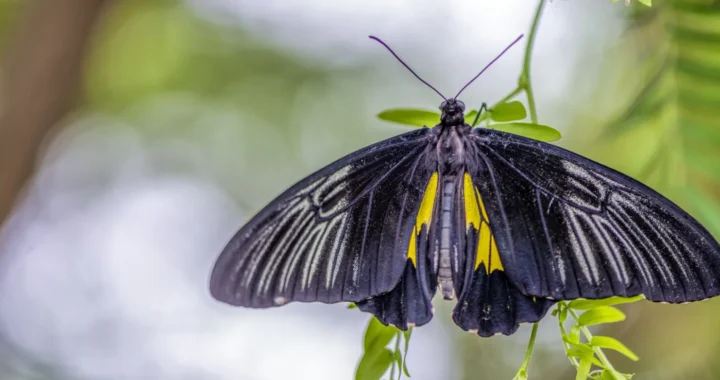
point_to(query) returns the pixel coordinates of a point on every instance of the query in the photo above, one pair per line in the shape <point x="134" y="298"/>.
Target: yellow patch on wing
<point x="476" y="217"/>
<point x="424" y="216"/>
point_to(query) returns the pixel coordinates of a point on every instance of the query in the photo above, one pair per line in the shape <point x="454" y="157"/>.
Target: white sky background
<point x="107" y="261"/>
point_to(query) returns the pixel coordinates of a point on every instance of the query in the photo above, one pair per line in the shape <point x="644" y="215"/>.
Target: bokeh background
<point x="146" y="132"/>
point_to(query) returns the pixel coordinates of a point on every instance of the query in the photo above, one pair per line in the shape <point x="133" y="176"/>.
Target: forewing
<point x="340" y="234"/>
<point x="567" y="227"/>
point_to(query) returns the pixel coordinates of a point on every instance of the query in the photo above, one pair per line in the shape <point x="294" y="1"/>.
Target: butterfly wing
<point x="341" y="234"/>
<point x="567" y="227"/>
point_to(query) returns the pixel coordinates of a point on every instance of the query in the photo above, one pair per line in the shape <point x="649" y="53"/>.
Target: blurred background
<point x="144" y="133"/>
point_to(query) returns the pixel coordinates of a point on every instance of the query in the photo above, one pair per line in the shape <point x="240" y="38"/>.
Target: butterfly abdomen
<point x="445" y="238"/>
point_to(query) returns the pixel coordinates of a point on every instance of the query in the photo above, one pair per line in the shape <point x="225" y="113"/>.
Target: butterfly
<point x="504" y="224"/>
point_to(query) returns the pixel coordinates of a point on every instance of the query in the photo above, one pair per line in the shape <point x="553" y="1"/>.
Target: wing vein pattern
<point x="314" y="241"/>
<point x="567" y="227"/>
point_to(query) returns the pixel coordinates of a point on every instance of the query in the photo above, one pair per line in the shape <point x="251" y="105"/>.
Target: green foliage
<point x="534" y="131"/>
<point x="410" y="116"/>
<point x="377" y="358"/>
<point x="510" y="111"/>
<point x="670" y="131"/>
<point x="587" y="354"/>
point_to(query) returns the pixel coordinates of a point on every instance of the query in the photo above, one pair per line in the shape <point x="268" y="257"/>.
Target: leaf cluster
<point x="504" y="117"/>
<point x="584" y="350"/>
<point x="378" y="357"/>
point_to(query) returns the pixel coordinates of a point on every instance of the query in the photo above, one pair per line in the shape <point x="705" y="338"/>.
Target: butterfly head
<point x="452" y="112"/>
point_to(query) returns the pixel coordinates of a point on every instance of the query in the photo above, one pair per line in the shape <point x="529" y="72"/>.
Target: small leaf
<point x="352" y="305"/>
<point x="646" y="2"/>
<point x="409" y="116"/>
<point x="613" y="344"/>
<point x="608" y="374"/>
<point x="534" y="131"/>
<point x="374" y="364"/>
<point x="562" y="317"/>
<point x="377" y="335"/>
<point x="583" y="369"/>
<point x="509" y="111"/>
<point x="602" y="314"/>
<point x="580" y="351"/>
<point x="406" y="335"/>
<point x="574" y="336"/>
<point x="583" y="304"/>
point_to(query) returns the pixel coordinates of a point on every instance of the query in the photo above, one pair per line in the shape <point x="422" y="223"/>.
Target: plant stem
<point x="522" y="372"/>
<point x="598" y="351"/>
<point x="392" y="366"/>
<point x="563" y="333"/>
<point x="524" y="82"/>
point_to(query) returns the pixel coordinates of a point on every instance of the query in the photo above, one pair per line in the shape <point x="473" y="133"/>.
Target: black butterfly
<point x="504" y="223"/>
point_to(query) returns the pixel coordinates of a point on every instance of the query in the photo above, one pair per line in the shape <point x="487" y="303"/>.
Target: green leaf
<point x="613" y="344"/>
<point x="579" y="350"/>
<point x="574" y="336"/>
<point x="509" y="111"/>
<point x="602" y="314"/>
<point x="534" y="131"/>
<point x="583" y="351"/>
<point x="374" y="364"/>
<point x="352" y="305"/>
<point x="377" y="335"/>
<point x="583" y="304"/>
<point x="406" y="335"/>
<point x="608" y="374"/>
<point x="646" y="2"/>
<point x="583" y="369"/>
<point x="562" y="316"/>
<point x="410" y="116"/>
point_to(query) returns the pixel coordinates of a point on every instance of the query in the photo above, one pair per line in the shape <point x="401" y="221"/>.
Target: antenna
<point x="408" y="67"/>
<point x="488" y="65"/>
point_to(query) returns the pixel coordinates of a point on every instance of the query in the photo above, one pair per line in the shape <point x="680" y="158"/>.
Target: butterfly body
<point x="505" y="224"/>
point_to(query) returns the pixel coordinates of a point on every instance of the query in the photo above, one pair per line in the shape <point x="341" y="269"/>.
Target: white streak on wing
<point x="288" y="215"/>
<point x="561" y="269"/>
<point x="260" y="238"/>
<point x="611" y="249"/>
<point x="334" y="250"/>
<point x="653" y="253"/>
<point x="672" y="250"/>
<point x="356" y="270"/>
<point x="587" y="247"/>
<point x="306" y="190"/>
<point x="316" y="252"/>
<point x="581" y="247"/>
<point x="335" y="184"/>
<point x="341" y="251"/>
<point x="305" y="239"/>
<point x="635" y="255"/>
<point x="277" y="254"/>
